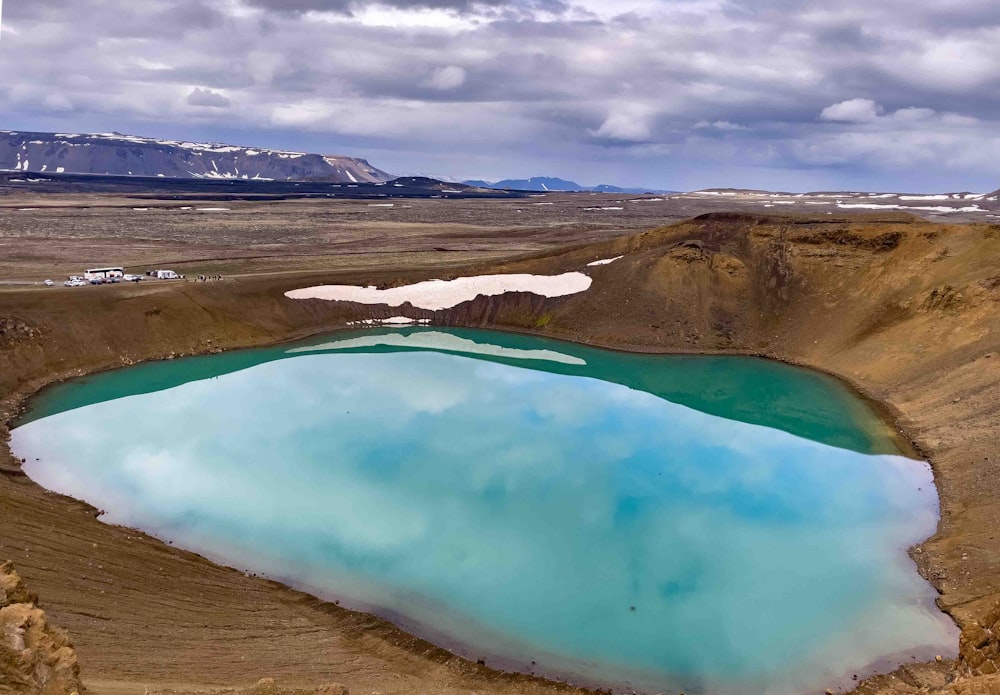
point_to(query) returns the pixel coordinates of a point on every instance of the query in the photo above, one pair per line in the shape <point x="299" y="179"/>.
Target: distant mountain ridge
<point x="115" y="154"/>
<point x="549" y="183"/>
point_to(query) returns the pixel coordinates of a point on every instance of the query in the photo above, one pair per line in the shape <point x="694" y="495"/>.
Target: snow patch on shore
<point x="392" y="321"/>
<point x="435" y="295"/>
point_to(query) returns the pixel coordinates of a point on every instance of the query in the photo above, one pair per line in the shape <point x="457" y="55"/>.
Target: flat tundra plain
<point x="52" y="236"/>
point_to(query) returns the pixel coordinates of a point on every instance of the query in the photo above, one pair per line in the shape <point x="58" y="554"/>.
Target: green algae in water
<point x="711" y="524"/>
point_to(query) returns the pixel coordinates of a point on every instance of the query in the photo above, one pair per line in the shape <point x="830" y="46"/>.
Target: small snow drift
<point x="910" y="208"/>
<point x="435" y="295"/>
<point x="606" y="261"/>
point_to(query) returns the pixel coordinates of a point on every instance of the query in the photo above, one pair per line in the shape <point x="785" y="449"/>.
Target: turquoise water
<point x="723" y="525"/>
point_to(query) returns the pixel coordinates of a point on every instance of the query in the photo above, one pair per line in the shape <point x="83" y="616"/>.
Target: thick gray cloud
<point x="672" y="93"/>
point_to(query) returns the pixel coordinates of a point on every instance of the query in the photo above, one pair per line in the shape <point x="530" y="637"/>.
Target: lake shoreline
<point x="501" y="667"/>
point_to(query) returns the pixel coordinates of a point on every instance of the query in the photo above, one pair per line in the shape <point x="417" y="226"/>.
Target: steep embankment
<point x="907" y="311"/>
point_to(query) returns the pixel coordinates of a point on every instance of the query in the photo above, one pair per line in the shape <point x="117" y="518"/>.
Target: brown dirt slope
<point x="907" y="311"/>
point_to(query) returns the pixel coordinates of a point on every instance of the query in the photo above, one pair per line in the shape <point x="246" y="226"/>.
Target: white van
<point x="166" y="275"/>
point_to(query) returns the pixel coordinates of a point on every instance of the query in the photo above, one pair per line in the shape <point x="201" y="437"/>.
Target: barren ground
<point x="906" y="310"/>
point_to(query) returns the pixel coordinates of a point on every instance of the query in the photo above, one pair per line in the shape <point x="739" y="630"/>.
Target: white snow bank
<point x="606" y="261"/>
<point x="434" y="340"/>
<point x="213" y="209"/>
<point x="402" y="320"/>
<point x="911" y="208"/>
<point x="393" y="321"/>
<point x="868" y="206"/>
<point x="967" y="208"/>
<point x="445" y="294"/>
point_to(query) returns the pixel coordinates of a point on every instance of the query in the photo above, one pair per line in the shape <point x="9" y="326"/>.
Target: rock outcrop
<point x="35" y="657"/>
<point x="979" y="647"/>
<point x="976" y="672"/>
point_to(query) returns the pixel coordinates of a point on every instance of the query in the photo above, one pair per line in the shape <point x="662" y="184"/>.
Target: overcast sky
<point x="779" y="94"/>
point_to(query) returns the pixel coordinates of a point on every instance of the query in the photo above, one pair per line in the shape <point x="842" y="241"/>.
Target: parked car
<point x="132" y="278"/>
<point x="97" y="281"/>
<point x="49" y="283"/>
<point x="74" y="282"/>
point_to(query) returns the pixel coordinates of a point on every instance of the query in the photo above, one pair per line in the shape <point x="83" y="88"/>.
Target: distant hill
<point x="546" y="183"/>
<point x="605" y="188"/>
<point x="191" y="188"/>
<point x="115" y="154"/>
<point x="537" y="183"/>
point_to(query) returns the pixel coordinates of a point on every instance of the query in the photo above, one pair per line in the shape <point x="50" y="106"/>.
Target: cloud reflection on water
<point x="535" y="506"/>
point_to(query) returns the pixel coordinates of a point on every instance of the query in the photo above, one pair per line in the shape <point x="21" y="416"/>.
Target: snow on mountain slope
<point x="126" y="155"/>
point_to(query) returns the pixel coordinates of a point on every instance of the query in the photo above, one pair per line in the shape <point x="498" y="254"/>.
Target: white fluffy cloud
<point x="627" y="122"/>
<point x="207" y="98"/>
<point x="852" y="111"/>
<point x="718" y="125"/>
